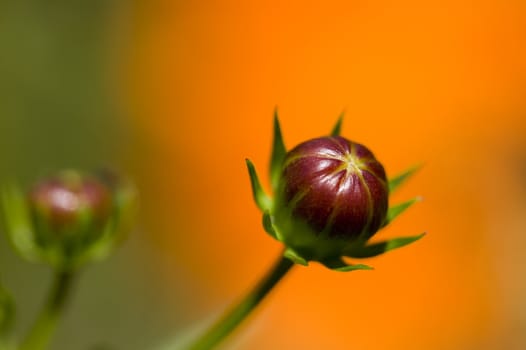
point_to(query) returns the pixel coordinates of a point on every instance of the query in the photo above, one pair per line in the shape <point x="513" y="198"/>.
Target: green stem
<point x="233" y="317"/>
<point x="42" y="331"/>
<point x="6" y="318"/>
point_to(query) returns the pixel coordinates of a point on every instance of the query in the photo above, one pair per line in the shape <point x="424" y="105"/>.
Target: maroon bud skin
<point x="61" y="201"/>
<point x="336" y="187"/>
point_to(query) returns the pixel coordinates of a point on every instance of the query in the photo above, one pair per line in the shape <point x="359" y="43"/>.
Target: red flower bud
<point x="70" y="218"/>
<point x="336" y="186"/>
<point x="332" y="192"/>
<point x="61" y="201"/>
<point x="330" y="196"/>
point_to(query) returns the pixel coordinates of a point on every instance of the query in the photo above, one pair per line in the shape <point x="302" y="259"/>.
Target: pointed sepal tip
<point x="379" y="248"/>
<point x="400" y="179"/>
<point x="336" y="130"/>
<point x="263" y="201"/>
<point x="278" y="154"/>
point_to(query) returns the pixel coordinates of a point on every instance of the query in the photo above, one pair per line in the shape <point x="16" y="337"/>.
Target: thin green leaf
<point x="278" y="153"/>
<point x="295" y="257"/>
<point x="18" y="223"/>
<point x="339" y="265"/>
<point x="381" y="247"/>
<point x="263" y="201"/>
<point x="338" y="126"/>
<point x="400" y="179"/>
<point x="398" y="209"/>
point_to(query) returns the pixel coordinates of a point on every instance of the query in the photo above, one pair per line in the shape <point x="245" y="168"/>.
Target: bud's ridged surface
<point x="331" y="189"/>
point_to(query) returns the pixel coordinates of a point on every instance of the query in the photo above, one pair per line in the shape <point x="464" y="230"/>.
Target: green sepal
<point x="398" y="209"/>
<point x="278" y="154"/>
<point x="97" y="250"/>
<point x="7" y="313"/>
<point x="338" y="126"/>
<point x="381" y="247"/>
<point x="400" y="179"/>
<point x="268" y="226"/>
<point x="295" y="257"/>
<point x="18" y="223"/>
<point x="125" y="210"/>
<point x="337" y="264"/>
<point x="116" y="229"/>
<point x="263" y="201"/>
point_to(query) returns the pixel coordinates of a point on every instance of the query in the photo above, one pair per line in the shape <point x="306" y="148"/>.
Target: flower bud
<point x="330" y="196"/>
<point x="331" y="190"/>
<point x="70" y="218"/>
<point x="69" y="202"/>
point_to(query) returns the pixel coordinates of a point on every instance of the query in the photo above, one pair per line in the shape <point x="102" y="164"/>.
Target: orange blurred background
<point x="176" y="94"/>
<point x="438" y="82"/>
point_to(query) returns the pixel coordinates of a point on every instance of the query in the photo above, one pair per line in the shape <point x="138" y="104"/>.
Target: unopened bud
<point x="70" y="218"/>
<point x="331" y="189"/>
<point x="69" y="202"/>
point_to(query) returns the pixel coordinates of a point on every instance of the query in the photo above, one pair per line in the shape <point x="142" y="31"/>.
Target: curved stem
<point x="42" y="331"/>
<point x="233" y="317"/>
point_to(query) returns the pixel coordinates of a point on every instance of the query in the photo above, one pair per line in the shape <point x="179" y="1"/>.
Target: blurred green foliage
<point x="56" y="108"/>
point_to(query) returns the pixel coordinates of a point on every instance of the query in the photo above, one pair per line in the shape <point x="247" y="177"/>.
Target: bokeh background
<point x="177" y="94"/>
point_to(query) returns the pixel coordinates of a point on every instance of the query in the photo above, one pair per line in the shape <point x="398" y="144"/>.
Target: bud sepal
<point x="337" y="264"/>
<point x="394" y="211"/>
<point x="378" y="248"/>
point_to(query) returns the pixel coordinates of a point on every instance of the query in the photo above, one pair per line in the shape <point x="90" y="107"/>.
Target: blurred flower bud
<point x="69" y="218"/>
<point x="68" y="205"/>
<point x="331" y="189"/>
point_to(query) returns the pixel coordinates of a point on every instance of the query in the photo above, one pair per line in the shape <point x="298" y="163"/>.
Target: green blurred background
<point x="60" y="108"/>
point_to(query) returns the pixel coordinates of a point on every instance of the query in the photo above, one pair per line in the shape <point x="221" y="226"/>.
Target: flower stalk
<point x="234" y="316"/>
<point x="41" y="333"/>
